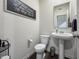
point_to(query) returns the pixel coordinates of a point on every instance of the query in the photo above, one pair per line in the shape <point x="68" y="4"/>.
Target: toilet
<point x="40" y="48"/>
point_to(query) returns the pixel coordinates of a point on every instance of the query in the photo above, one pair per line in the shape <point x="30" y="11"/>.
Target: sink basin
<point x="65" y="36"/>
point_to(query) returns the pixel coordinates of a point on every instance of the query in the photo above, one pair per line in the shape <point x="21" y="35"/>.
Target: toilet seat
<point x="40" y="47"/>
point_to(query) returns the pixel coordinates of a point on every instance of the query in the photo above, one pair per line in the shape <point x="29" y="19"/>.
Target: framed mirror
<point x="61" y="15"/>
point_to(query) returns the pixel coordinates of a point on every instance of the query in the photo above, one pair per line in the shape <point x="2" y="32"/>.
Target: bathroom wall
<point x="78" y="28"/>
<point x="46" y="16"/>
<point x="1" y="21"/>
<point x="17" y="30"/>
<point x="47" y="26"/>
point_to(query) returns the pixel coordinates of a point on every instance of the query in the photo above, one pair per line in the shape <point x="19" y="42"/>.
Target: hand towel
<point x="74" y="25"/>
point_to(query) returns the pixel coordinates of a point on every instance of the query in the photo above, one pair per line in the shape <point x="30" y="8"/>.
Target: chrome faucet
<point x="56" y="30"/>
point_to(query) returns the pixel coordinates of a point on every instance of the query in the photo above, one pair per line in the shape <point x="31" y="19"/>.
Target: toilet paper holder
<point x="29" y="42"/>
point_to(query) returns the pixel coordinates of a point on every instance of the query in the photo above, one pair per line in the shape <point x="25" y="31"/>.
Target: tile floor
<point x="33" y="56"/>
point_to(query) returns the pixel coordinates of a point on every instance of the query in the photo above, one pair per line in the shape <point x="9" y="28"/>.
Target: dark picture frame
<point x="19" y="8"/>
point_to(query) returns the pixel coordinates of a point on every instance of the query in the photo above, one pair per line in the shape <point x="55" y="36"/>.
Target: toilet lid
<point x="40" y="46"/>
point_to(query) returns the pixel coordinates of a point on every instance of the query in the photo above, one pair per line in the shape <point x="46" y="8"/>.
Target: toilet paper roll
<point x="5" y="57"/>
<point x="31" y="40"/>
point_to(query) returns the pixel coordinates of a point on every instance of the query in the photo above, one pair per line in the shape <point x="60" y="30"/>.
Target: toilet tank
<point x="44" y="39"/>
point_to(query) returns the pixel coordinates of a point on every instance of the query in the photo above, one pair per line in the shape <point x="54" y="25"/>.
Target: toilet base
<point x="39" y="56"/>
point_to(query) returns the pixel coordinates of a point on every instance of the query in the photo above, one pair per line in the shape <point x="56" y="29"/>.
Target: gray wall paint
<point x="17" y="30"/>
<point x="46" y="23"/>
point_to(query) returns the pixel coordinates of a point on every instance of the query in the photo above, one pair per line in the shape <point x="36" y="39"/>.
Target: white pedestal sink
<point x="62" y="37"/>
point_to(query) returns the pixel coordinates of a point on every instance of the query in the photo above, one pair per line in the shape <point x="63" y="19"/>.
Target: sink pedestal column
<point x="61" y="49"/>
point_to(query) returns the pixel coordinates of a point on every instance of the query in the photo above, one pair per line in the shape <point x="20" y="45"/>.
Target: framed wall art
<point x="19" y="8"/>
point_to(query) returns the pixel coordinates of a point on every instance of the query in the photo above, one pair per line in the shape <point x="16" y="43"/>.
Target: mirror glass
<point x="62" y="21"/>
<point x="61" y="16"/>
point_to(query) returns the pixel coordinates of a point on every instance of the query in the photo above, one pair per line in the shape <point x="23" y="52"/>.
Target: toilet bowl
<point x="40" y="48"/>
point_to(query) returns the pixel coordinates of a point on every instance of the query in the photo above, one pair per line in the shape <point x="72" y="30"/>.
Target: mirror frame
<point x="68" y="16"/>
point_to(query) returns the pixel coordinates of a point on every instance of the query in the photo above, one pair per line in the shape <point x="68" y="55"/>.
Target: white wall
<point x="78" y="28"/>
<point x="18" y="30"/>
<point x="46" y="16"/>
<point x="46" y="22"/>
